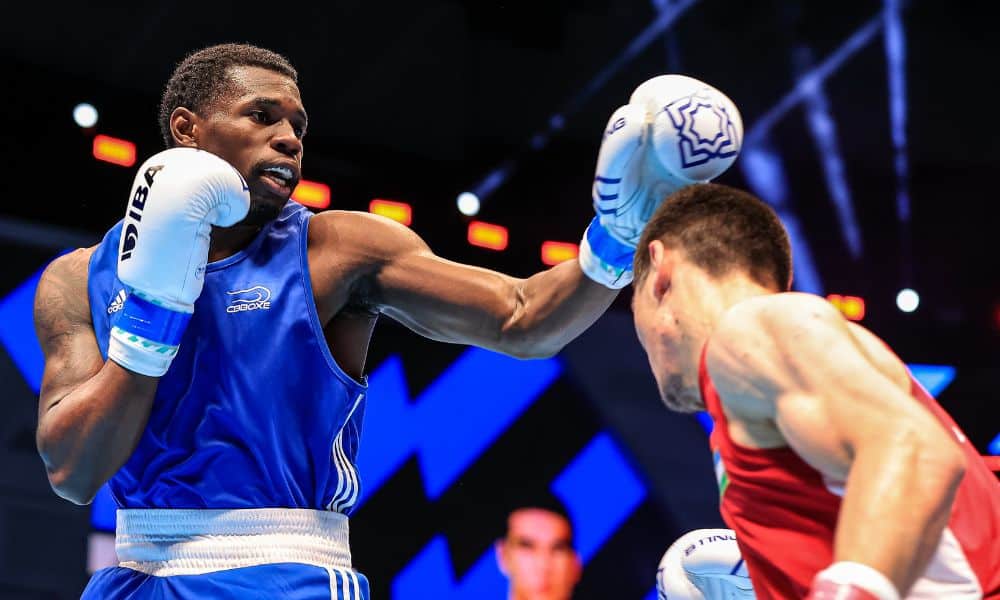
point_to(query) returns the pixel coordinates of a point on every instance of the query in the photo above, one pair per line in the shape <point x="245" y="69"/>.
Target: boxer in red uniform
<point x="841" y="477"/>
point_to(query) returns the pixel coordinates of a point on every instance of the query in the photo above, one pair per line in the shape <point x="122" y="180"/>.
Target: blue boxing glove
<point x="177" y="196"/>
<point x="675" y="131"/>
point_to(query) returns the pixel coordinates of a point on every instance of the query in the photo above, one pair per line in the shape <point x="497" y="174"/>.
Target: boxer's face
<point x="668" y="325"/>
<point x="258" y="128"/>
<point x="537" y="556"/>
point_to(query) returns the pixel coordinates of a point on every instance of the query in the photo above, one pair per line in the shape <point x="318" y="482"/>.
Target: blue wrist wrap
<point x="152" y="322"/>
<point x="607" y="248"/>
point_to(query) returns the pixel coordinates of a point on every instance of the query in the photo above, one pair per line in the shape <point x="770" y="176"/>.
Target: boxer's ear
<point x="184" y="126"/>
<point x="500" y="552"/>
<point x="662" y="260"/>
<point x="577" y="568"/>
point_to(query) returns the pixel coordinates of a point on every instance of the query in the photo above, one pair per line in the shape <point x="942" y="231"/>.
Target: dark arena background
<point x="868" y="126"/>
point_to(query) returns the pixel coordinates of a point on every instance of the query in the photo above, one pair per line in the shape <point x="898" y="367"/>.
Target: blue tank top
<point x="254" y="411"/>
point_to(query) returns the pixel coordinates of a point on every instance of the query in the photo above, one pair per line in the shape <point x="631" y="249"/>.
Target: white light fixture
<point x="468" y="204"/>
<point x="85" y="115"/>
<point x="907" y="300"/>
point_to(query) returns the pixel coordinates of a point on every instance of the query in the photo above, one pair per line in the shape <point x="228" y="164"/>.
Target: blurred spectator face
<point x="537" y="556"/>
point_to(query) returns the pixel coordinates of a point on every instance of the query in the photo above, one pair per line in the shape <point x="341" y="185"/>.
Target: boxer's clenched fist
<point x="674" y="131"/>
<point x="177" y="196"/>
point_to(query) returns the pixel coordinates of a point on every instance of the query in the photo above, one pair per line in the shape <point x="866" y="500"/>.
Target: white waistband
<point x="168" y="542"/>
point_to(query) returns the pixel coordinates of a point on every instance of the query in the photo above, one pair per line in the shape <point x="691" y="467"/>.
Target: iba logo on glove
<point x="138" y="204"/>
<point x="256" y="298"/>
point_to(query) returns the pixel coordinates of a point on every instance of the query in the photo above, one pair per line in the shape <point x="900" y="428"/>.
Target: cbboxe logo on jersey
<point x="257" y="297"/>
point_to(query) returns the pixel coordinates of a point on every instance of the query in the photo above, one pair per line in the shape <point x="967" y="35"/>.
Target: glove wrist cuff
<point x="154" y="320"/>
<point x="138" y="354"/>
<point x="146" y="336"/>
<point x="604" y="259"/>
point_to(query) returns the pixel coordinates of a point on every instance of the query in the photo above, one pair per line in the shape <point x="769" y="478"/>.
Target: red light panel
<point x="486" y="235"/>
<point x="113" y="150"/>
<point x="554" y="253"/>
<point x="852" y="307"/>
<point x="312" y="193"/>
<point x="400" y="212"/>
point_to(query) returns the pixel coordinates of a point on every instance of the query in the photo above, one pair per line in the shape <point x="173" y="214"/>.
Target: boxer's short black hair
<point x="720" y="229"/>
<point x="544" y="501"/>
<point x="201" y="78"/>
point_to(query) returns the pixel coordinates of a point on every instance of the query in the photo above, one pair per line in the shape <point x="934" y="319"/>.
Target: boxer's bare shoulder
<point x="61" y="303"/>
<point x="63" y="324"/>
<point x="346" y="249"/>
<point x="880" y="355"/>
<point x="744" y="360"/>
<point x="793" y="371"/>
<point x="789" y="341"/>
<point x="345" y="246"/>
<point x="748" y="354"/>
<point x="770" y="350"/>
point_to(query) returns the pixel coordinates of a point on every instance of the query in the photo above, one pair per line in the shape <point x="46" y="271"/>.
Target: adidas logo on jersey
<point x="117" y="303"/>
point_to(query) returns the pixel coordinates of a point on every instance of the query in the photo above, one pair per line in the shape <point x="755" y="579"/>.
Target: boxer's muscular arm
<point x="451" y="302"/>
<point x="90" y="412"/>
<point x="792" y="357"/>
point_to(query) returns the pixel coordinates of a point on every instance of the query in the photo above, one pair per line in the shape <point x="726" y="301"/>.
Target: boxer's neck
<point x="227" y="241"/>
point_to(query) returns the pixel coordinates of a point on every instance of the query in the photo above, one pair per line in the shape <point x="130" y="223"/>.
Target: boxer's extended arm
<point x="451" y="302"/>
<point x="91" y="412"/>
<point x="638" y="166"/>
<point x="793" y="358"/>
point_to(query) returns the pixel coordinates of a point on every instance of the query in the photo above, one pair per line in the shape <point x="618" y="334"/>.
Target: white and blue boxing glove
<point x="674" y="131"/>
<point x="177" y="196"/>
<point x="704" y="564"/>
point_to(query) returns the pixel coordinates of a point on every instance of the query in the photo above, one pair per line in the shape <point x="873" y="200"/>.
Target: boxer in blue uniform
<point x="206" y="358"/>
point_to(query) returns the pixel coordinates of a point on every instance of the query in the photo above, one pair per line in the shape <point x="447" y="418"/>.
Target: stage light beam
<point x="895" y="53"/>
<point x="824" y="133"/>
<point x="765" y="172"/>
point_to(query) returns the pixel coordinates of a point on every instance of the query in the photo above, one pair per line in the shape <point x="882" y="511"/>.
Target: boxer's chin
<point x="261" y="213"/>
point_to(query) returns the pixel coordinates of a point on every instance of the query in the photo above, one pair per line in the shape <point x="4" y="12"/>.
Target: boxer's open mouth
<point x="279" y="178"/>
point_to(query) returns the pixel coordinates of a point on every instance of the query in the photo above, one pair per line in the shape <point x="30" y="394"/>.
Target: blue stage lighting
<point x="895" y="54"/>
<point x="824" y="134"/>
<point x="765" y="173"/>
<point x="994" y="447"/>
<point x="811" y="80"/>
<point x="493" y="180"/>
